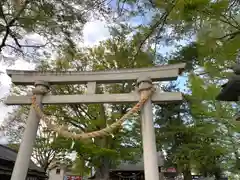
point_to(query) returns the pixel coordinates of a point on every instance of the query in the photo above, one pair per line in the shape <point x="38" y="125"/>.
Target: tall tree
<point x="218" y="130"/>
<point x="105" y="152"/>
<point x="52" y="23"/>
<point x="47" y="148"/>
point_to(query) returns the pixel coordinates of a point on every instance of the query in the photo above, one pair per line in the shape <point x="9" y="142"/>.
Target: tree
<point x="186" y="19"/>
<point x="56" y="23"/>
<point x="198" y="134"/>
<point x="218" y="130"/>
<point x="211" y="23"/>
<point x="105" y="152"/>
<point x="210" y="58"/>
<point x="192" y="136"/>
<point x="222" y="114"/>
<point x="47" y="147"/>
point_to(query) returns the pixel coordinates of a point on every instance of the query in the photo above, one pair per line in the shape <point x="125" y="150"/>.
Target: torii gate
<point x="42" y="80"/>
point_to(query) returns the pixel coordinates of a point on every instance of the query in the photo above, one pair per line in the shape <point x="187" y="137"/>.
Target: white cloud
<point x="6" y="83"/>
<point x="93" y="33"/>
<point x="3" y="140"/>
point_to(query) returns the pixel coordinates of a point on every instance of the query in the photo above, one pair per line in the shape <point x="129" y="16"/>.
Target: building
<point x="7" y="160"/>
<point x="128" y="171"/>
<point x="58" y="171"/>
<point x="135" y="171"/>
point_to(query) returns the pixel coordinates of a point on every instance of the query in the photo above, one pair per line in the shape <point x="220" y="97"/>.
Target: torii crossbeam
<point x="143" y="77"/>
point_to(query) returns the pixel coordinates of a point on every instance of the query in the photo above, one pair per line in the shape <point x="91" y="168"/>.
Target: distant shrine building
<point x="7" y="160"/>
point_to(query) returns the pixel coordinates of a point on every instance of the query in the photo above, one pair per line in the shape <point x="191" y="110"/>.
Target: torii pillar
<point x="20" y="169"/>
<point x="150" y="156"/>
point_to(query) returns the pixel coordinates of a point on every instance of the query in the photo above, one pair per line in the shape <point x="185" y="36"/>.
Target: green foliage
<point x="57" y="22"/>
<point x="124" y="145"/>
<point x="199" y="134"/>
<point x="47" y="147"/>
<point x="79" y="167"/>
<point x="191" y="133"/>
<point x="14" y="146"/>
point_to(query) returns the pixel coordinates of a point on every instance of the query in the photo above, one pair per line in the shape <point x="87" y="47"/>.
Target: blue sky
<point x="164" y="50"/>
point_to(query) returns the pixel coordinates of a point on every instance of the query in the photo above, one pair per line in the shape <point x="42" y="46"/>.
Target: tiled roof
<point x="9" y="154"/>
<point x="139" y="166"/>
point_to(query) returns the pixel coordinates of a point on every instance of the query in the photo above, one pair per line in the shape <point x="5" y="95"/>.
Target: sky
<point x="93" y="33"/>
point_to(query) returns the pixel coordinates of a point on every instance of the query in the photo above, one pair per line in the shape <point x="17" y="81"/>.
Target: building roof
<point x="139" y="166"/>
<point x="57" y="165"/>
<point x="10" y="155"/>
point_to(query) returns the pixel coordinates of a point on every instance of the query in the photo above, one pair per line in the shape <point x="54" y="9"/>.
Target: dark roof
<point x="139" y="166"/>
<point x="9" y="154"/>
<point x="231" y="90"/>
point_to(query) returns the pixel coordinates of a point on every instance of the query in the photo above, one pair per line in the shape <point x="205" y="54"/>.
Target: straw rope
<point x="61" y="130"/>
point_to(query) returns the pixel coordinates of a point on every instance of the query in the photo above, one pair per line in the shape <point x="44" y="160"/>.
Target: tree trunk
<point x="102" y="172"/>
<point x="187" y="174"/>
<point x="218" y="173"/>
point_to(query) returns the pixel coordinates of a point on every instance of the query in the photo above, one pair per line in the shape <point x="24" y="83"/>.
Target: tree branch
<point x="10" y="23"/>
<point x="230" y="36"/>
<point x="4" y="39"/>
<point x="162" y="21"/>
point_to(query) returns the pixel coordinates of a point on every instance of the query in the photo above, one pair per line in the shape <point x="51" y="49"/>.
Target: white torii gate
<point x="42" y="80"/>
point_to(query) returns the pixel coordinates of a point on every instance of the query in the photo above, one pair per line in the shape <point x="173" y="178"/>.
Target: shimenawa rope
<point x="145" y="95"/>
